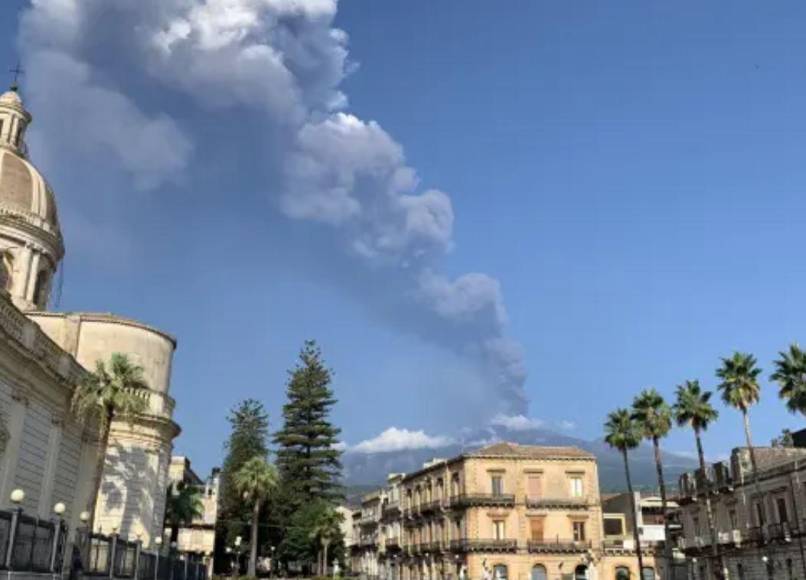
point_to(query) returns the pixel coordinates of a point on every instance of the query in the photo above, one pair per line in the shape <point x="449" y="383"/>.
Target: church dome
<point x="25" y="194"/>
<point x="31" y="244"/>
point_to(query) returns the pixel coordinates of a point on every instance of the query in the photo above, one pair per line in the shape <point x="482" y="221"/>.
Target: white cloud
<point x="516" y="422"/>
<point x="394" y="439"/>
<point x="567" y="425"/>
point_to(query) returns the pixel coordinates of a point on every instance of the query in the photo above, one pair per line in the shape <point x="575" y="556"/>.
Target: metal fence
<point x="114" y="557"/>
<point x="28" y="544"/>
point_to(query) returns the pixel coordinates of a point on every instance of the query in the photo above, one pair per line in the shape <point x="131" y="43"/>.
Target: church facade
<point x="44" y="450"/>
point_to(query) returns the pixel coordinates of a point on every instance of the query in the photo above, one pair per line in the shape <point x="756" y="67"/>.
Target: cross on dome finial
<point x="17" y="71"/>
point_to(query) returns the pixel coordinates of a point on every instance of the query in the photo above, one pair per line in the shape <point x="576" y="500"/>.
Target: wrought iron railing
<point x="30" y="544"/>
<point x="483" y="545"/>
<point x="558" y="545"/>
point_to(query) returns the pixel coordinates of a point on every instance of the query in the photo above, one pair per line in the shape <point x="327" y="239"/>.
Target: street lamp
<point x="17" y="496"/>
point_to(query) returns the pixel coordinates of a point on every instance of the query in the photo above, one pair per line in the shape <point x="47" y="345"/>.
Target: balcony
<point x="482" y="545"/>
<point x="430" y="507"/>
<point x="781" y="532"/>
<point x="557" y="502"/>
<point x="557" y="545"/>
<point x="391" y="509"/>
<point x="756" y="535"/>
<point x="392" y="543"/>
<point x="431" y="547"/>
<point x="482" y="499"/>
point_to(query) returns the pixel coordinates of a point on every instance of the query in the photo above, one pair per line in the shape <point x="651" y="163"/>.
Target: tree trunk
<point x="319" y="562"/>
<point x="717" y="559"/>
<point x="635" y="533"/>
<point x="99" y="468"/>
<point x="756" y="484"/>
<point x="175" y="532"/>
<point x="325" y="546"/>
<point x="667" y="544"/>
<point x="253" y="540"/>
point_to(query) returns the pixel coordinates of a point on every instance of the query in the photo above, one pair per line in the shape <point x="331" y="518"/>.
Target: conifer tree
<point x="307" y="457"/>
<point x="248" y="439"/>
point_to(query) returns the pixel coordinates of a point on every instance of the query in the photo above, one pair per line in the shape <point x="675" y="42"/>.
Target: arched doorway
<point x="539" y="572"/>
<point x="622" y="573"/>
<point x="581" y="572"/>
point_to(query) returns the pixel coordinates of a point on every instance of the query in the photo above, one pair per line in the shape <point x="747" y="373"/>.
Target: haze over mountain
<point x="368" y="467"/>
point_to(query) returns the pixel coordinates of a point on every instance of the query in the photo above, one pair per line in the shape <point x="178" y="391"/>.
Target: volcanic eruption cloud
<point x="282" y="61"/>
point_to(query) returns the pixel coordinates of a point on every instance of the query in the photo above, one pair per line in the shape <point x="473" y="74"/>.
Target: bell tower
<point x="31" y="245"/>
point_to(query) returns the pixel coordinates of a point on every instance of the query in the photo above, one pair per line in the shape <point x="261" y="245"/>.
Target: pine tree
<point x="307" y="457"/>
<point x="250" y="431"/>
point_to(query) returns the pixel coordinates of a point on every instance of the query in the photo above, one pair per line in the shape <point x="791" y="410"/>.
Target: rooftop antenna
<point x="17" y="71"/>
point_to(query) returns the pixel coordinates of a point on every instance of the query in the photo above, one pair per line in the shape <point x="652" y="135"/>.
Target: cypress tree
<point x="307" y="457"/>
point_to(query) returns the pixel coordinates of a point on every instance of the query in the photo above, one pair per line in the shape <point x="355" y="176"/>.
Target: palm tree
<point x="654" y="418"/>
<point x="790" y="374"/>
<point x="693" y="409"/>
<point x="111" y="392"/>
<point x="622" y="433"/>
<point x="326" y="530"/>
<point x="740" y="390"/>
<point x="255" y="480"/>
<point x="183" y="505"/>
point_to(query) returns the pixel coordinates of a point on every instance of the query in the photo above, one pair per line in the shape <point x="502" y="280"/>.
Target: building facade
<point x="44" y="354"/>
<point x="760" y="532"/>
<point x="506" y="511"/>
<point x="198" y="536"/>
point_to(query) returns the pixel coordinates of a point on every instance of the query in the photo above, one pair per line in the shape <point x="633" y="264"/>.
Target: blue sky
<point x="631" y="174"/>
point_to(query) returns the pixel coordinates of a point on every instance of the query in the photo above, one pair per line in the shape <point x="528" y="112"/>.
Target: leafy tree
<point x="307" y="457"/>
<point x="623" y="433"/>
<point x="654" y="419"/>
<point x="790" y="374"/>
<point x="248" y="438"/>
<point x="113" y="391"/>
<point x="693" y="409"/>
<point x="255" y="480"/>
<point x="183" y="505"/>
<point x="303" y="541"/>
<point x="326" y="530"/>
<point x="785" y="439"/>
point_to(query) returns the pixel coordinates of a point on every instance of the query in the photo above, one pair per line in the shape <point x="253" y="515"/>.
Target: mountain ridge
<point x="363" y="468"/>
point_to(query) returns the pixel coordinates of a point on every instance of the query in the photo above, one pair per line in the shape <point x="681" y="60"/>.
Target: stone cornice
<point x="109" y="318"/>
<point x="31" y="342"/>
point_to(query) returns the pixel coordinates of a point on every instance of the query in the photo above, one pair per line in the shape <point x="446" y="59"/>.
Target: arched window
<point x="648" y="574"/>
<point x="500" y="572"/>
<point x="42" y="288"/>
<point x="5" y="271"/>
<point x="622" y="573"/>
<point x="539" y="572"/>
<point x="581" y="572"/>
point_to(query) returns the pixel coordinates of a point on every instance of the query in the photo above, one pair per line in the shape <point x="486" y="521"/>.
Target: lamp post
<point x="17" y="497"/>
<point x="59" y="510"/>
<point x="158" y="544"/>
